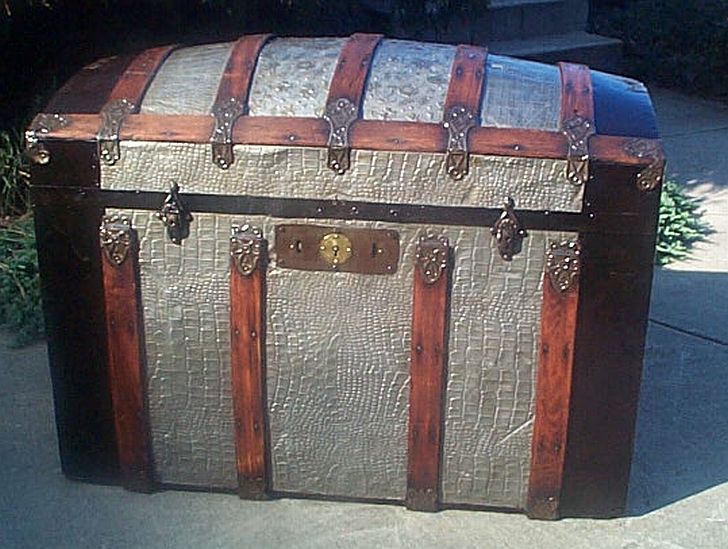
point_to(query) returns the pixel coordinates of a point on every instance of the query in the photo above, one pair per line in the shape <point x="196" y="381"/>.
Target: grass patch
<point x="680" y="224"/>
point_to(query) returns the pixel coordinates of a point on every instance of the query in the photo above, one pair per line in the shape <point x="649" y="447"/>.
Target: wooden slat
<point x="467" y="78"/>
<point x="352" y="68"/>
<point x="377" y="135"/>
<point x="135" y="80"/>
<point x="238" y="75"/>
<point x="127" y="369"/>
<point x="576" y="92"/>
<point x="247" y="338"/>
<point x="427" y="378"/>
<point x="553" y="394"/>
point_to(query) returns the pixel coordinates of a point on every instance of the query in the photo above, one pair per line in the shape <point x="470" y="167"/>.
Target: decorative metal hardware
<point x="459" y="121"/>
<point x="112" y="118"/>
<point x="353" y="250"/>
<point x="563" y="264"/>
<point x="42" y="125"/>
<point x="340" y="114"/>
<point x="225" y="114"/>
<point x="432" y="255"/>
<point x="508" y="231"/>
<point x="246" y="245"/>
<point x="335" y="248"/>
<point x="116" y="237"/>
<point x="650" y="177"/>
<point x="578" y="130"/>
<point x="175" y="216"/>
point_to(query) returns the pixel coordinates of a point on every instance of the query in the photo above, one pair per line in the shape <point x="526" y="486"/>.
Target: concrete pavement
<point x="679" y="484"/>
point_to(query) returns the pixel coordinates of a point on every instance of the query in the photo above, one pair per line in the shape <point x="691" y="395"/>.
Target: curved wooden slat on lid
<point x="346" y="90"/>
<point x="232" y="95"/>
<point x="462" y="105"/>
<point x="577" y="118"/>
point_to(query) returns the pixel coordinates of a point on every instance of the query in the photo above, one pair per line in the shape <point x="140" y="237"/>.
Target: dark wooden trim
<point x="127" y="369"/>
<point x="613" y="222"/>
<point x="135" y="80"/>
<point x="352" y="68"/>
<point x="365" y="135"/>
<point x="553" y="393"/>
<point x="430" y="310"/>
<point x="611" y="326"/>
<point x="67" y="236"/>
<point x="467" y="77"/>
<point x="576" y="92"/>
<point x="240" y="68"/>
<point x="247" y="338"/>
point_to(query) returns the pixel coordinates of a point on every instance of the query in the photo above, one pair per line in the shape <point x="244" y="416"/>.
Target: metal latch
<point x="578" y="130"/>
<point x="175" y="216"/>
<point x="508" y="231"/>
<point x="354" y="250"/>
<point x="459" y="121"/>
<point x="225" y="114"/>
<point x="112" y="118"/>
<point x="340" y="114"/>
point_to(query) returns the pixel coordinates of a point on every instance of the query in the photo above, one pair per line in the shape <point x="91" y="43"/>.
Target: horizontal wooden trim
<point x="377" y="135"/>
<point x="604" y="223"/>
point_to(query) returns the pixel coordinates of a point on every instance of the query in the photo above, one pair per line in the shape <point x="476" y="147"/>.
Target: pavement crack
<point x="690" y="333"/>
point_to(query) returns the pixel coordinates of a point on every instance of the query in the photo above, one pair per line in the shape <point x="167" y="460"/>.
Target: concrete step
<point x="599" y="52"/>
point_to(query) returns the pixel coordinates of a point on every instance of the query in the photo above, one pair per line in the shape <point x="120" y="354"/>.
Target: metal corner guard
<point x="458" y="122"/>
<point x="508" y="231"/>
<point x="563" y="264"/>
<point x="246" y="244"/>
<point x="112" y="118"/>
<point x="340" y="114"/>
<point x="175" y="216"/>
<point x="116" y="237"/>
<point x="225" y="115"/>
<point x="650" y="177"/>
<point x="42" y="125"/>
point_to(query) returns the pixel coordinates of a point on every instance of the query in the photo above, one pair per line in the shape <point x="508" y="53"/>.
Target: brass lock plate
<point x="345" y="249"/>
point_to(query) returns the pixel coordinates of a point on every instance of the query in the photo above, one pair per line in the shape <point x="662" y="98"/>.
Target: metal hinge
<point x="508" y="231"/>
<point x="116" y="237"/>
<point x="432" y="255"/>
<point x="225" y="114"/>
<point x="246" y="245"/>
<point x="578" y="130"/>
<point x="459" y="121"/>
<point x="41" y="126"/>
<point x="563" y="264"/>
<point x="340" y="114"/>
<point x="175" y="216"/>
<point x="112" y="118"/>
<point x="649" y="178"/>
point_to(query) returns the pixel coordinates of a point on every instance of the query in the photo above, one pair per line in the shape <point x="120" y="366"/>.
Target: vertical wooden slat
<point x="352" y="68"/>
<point x="576" y="92"/>
<point x="247" y="339"/>
<point x="238" y="75"/>
<point x="427" y="374"/>
<point x="137" y="77"/>
<point x="126" y="356"/>
<point x="467" y="79"/>
<point x="553" y="394"/>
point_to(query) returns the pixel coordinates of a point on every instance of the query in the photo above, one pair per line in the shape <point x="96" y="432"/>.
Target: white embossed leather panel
<point x="375" y="176"/>
<point x="493" y="352"/>
<point x="521" y="94"/>
<point x="293" y="75"/>
<point x="408" y="81"/>
<point x="188" y="81"/>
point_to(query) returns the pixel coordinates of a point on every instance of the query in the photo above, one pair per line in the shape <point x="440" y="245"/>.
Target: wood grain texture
<point x="576" y="92"/>
<point x="352" y="68"/>
<point x="238" y="75"/>
<point x="247" y="371"/>
<point x="427" y="382"/>
<point x="135" y="80"/>
<point x="553" y="393"/>
<point x="127" y="370"/>
<point x="467" y="78"/>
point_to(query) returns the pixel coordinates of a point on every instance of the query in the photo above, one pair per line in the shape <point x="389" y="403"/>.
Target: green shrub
<point x="20" y="308"/>
<point x="14" y="176"/>
<point x="679" y="225"/>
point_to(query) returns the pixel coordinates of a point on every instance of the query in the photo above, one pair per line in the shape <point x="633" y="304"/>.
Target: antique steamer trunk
<point x="349" y="268"/>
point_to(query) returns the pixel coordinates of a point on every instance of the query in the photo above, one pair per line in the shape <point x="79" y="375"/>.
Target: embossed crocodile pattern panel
<point x="493" y="350"/>
<point x="185" y="302"/>
<point x="375" y="176"/>
<point x="521" y="94"/>
<point x="188" y="80"/>
<point x="293" y="75"/>
<point x="408" y="81"/>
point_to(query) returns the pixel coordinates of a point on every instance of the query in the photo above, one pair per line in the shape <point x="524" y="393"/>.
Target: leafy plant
<point x="20" y="308"/>
<point x="679" y="225"/>
<point x="14" y="176"/>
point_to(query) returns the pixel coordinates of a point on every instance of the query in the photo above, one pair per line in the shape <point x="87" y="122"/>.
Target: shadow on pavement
<point x="681" y="445"/>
